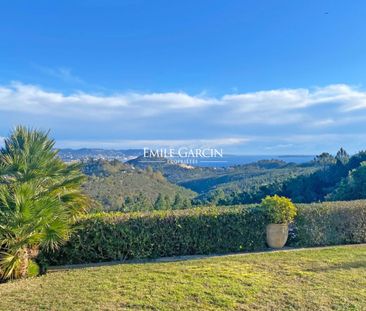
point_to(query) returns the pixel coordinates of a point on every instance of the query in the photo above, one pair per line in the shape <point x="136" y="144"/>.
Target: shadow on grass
<point x="343" y="266"/>
<point x="199" y="257"/>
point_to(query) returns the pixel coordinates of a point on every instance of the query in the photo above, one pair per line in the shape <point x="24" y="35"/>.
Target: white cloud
<point x="30" y="98"/>
<point x="169" y="100"/>
<point x="155" y="143"/>
<point x="286" y="106"/>
<point x="33" y="99"/>
<point x="281" y="106"/>
<point x="282" y="121"/>
<point x="263" y="100"/>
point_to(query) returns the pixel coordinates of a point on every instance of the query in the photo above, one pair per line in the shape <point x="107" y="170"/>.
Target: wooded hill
<point x="118" y="186"/>
<point x="327" y="177"/>
<point x="160" y="184"/>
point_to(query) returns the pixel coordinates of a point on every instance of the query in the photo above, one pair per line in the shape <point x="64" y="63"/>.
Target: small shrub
<point x="33" y="269"/>
<point x="279" y="210"/>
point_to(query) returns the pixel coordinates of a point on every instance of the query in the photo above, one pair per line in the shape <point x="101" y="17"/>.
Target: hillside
<point x="176" y="173"/>
<point x="119" y="186"/>
<point x="247" y="178"/>
<point x="340" y="177"/>
<point x="327" y="177"/>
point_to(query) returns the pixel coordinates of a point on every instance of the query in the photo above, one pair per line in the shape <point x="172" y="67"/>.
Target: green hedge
<point x="330" y="223"/>
<point x="118" y="236"/>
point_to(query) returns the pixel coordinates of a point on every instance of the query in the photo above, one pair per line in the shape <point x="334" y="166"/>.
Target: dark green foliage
<point x="186" y="203"/>
<point x="244" y="178"/>
<point x="117" y="236"/>
<point x="330" y="223"/>
<point x="178" y="202"/>
<point x="136" y="203"/>
<point x="168" y="204"/>
<point x="325" y="159"/>
<point x="181" y="203"/>
<point x="217" y="197"/>
<point x="250" y="183"/>
<point x="351" y="187"/>
<point x="319" y="185"/>
<point x="342" y="156"/>
<point x="161" y="203"/>
<point x="121" y="187"/>
<point x="316" y="183"/>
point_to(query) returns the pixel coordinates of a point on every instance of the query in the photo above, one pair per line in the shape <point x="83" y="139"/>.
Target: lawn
<point x="315" y="279"/>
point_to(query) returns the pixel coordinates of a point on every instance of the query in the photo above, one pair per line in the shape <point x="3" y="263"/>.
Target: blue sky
<point x="251" y="77"/>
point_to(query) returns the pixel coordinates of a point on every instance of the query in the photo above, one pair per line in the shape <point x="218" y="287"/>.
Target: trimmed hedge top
<point x="196" y="211"/>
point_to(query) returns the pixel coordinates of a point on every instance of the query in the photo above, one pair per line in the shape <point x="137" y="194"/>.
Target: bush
<point x="118" y="236"/>
<point x="279" y="210"/>
<point x="330" y="223"/>
<point x="33" y="269"/>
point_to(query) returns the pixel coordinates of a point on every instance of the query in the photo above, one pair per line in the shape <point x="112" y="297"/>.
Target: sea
<point x="231" y="160"/>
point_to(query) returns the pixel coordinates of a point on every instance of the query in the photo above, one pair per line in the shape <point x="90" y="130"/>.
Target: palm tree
<point x="40" y="198"/>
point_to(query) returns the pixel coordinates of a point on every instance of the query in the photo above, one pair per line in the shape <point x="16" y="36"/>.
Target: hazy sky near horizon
<point x="251" y="77"/>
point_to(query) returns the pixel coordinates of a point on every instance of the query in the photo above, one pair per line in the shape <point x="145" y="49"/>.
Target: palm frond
<point x="40" y="197"/>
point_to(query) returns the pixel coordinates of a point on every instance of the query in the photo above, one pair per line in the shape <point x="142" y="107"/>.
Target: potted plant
<point x="280" y="211"/>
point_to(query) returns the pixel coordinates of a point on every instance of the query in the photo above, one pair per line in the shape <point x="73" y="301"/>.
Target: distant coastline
<point x="124" y="155"/>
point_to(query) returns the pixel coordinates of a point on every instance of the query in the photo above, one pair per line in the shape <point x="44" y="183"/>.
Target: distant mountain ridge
<point x="68" y="154"/>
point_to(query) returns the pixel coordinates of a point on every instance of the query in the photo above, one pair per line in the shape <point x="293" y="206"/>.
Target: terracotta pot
<point x="277" y="235"/>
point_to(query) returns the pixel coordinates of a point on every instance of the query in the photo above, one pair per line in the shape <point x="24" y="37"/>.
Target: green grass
<point x="314" y="279"/>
